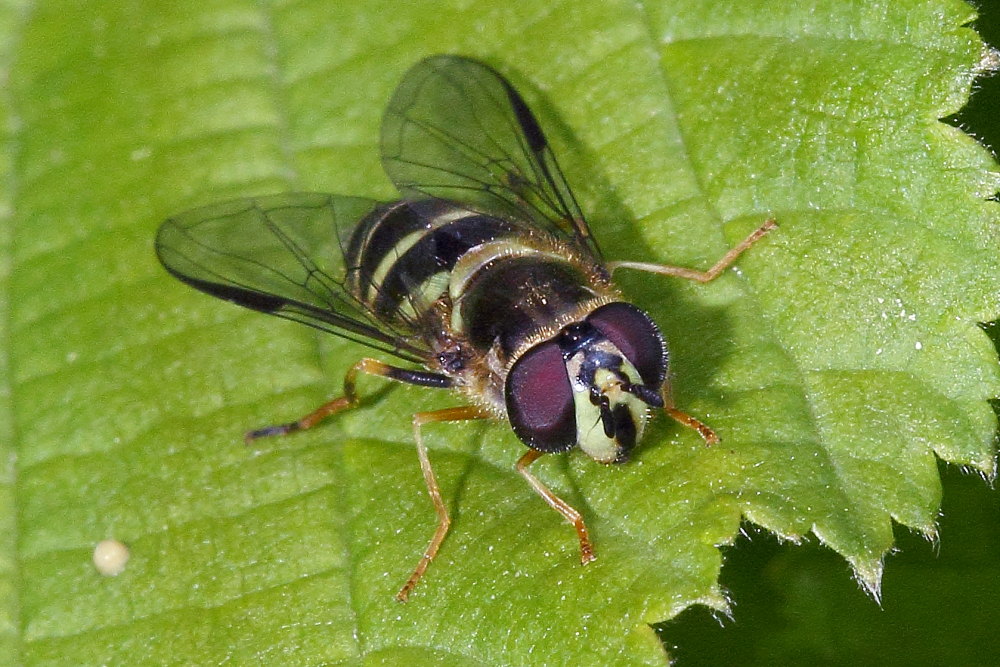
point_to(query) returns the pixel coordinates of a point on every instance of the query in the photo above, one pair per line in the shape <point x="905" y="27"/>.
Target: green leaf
<point x="839" y="359"/>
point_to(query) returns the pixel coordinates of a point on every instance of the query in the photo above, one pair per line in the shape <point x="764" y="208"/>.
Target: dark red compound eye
<point x="540" y="399"/>
<point x="638" y="338"/>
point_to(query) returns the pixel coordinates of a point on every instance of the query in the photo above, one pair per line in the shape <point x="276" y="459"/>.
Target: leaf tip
<point x="868" y="574"/>
<point x="989" y="61"/>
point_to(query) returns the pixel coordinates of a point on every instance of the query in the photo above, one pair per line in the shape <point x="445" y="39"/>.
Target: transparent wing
<point x="455" y="129"/>
<point x="283" y="255"/>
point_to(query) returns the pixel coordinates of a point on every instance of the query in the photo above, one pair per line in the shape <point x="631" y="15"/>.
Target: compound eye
<point x="638" y="338"/>
<point x="540" y="399"/>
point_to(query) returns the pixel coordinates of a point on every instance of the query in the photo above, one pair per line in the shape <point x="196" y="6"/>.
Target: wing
<point x="455" y="129"/>
<point x="283" y="255"/>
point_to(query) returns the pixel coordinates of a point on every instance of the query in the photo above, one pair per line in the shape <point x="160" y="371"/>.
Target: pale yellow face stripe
<point x="590" y="429"/>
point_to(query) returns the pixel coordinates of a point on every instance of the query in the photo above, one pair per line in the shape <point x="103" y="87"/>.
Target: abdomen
<point x="490" y="282"/>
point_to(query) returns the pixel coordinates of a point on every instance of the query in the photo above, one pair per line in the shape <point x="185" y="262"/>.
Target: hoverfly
<point x="483" y="271"/>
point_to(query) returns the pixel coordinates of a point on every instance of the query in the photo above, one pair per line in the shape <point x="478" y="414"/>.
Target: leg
<point x="694" y="274"/>
<point x="558" y="504"/>
<point x="444" y="521"/>
<point x="684" y="419"/>
<point x="350" y="397"/>
<point x="707" y="434"/>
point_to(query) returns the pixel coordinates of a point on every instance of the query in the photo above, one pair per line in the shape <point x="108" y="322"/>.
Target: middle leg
<point x="463" y="413"/>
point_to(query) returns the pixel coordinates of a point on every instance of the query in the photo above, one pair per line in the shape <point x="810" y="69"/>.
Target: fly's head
<point x="590" y="385"/>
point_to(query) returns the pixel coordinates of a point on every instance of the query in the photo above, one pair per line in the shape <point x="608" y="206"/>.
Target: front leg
<point x="568" y="512"/>
<point x="694" y="274"/>
<point x="684" y="419"/>
<point x="681" y="417"/>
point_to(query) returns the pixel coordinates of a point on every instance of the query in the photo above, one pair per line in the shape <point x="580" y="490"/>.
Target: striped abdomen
<point x="504" y="284"/>
<point x="401" y="256"/>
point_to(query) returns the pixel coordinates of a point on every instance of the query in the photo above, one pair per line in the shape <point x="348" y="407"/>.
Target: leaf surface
<point x="837" y="362"/>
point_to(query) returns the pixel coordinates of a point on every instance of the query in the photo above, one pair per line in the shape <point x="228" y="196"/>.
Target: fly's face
<point x="590" y="385"/>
